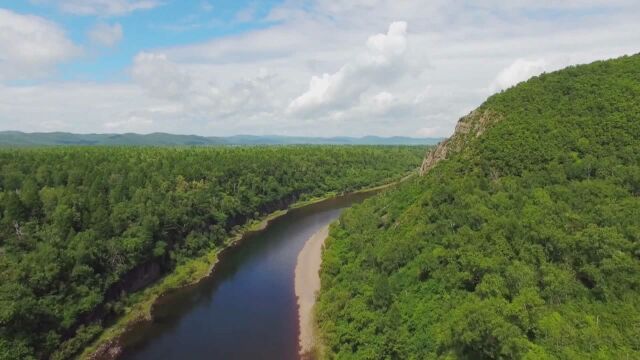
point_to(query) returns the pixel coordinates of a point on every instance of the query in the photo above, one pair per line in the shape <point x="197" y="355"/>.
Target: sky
<point x="305" y="67"/>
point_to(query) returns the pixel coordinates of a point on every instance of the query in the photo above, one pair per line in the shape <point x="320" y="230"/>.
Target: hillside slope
<point x="523" y="244"/>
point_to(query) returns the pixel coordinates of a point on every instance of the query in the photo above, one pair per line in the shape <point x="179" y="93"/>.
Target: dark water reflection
<point x="247" y="309"/>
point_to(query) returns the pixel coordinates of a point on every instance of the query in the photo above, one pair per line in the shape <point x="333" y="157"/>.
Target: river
<point x="247" y="308"/>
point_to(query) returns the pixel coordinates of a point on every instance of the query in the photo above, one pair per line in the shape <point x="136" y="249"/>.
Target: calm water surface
<point x="247" y="309"/>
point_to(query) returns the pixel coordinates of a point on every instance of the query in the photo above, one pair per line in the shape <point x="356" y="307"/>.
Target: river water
<point x="247" y="309"/>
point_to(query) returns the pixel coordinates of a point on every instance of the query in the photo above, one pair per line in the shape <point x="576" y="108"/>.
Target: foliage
<point x="524" y="245"/>
<point x="81" y="227"/>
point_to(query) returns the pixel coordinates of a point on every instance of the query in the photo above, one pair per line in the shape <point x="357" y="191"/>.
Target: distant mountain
<point x="17" y="138"/>
<point x="339" y="140"/>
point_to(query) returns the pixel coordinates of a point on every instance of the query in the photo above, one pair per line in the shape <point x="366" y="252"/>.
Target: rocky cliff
<point x="468" y="128"/>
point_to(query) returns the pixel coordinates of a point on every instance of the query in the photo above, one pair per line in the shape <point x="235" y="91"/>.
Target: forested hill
<point x="523" y="244"/>
<point x="17" y="138"/>
<point x="83" y="227"/>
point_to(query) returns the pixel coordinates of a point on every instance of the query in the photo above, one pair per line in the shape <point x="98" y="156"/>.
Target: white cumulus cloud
<point x="30" y="46"/>
<point x="381" y="63"/>
<point x="197" y="92"/>
<point x="105" y="34"/>
<point x="160" y="76"/>
<point x="382" y="102"/>
<point x="519" y="71"/>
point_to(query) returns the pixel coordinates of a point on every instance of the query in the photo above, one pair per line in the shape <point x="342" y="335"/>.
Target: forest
<point x="81" y="227"/>
<point x="524" y="244"/>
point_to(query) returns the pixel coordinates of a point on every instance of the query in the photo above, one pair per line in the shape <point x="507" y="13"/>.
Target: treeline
<point x="81" y="227"/>
<point x="525" y="245"/>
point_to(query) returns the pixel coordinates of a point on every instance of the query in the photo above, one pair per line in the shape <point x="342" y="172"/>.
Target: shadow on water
<point x="247" y="308"/>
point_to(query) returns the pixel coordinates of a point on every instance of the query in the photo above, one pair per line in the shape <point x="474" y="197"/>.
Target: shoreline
<point x="307" y="285"/>
<point x="110" y="343"/>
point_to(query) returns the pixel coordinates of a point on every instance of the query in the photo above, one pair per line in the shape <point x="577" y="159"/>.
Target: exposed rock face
<point x="468" y="128"/>
<point x="434" y="156"/>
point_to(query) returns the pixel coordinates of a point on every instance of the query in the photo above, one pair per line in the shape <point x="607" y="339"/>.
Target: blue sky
<point x="170" y="23"/>
<point x="291" y="67"/>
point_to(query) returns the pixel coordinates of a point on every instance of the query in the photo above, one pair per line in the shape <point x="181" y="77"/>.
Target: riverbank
<point x="139" y="306"/>
<point x="307" y="284"/>
<point x="109" y="344"/>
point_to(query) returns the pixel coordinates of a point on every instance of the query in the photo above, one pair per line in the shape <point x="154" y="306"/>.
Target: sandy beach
<point x="307" y="284"/>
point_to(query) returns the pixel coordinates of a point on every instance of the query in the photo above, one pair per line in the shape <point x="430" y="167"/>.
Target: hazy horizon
<point x="220" y="136"/>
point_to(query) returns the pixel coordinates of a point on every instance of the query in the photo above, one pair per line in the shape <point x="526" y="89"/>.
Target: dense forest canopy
<point x="76" y="222"/>
<point x="523" y="245"/>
